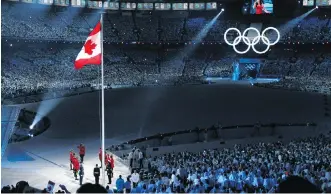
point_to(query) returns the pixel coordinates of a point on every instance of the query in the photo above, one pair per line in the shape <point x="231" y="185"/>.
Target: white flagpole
<point x="102" y="109"/>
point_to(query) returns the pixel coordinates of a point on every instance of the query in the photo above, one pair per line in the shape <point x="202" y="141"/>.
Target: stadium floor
<point x="137" y="112"/>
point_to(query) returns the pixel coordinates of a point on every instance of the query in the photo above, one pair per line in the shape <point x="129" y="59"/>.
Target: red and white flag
<point x="91" y="51"/>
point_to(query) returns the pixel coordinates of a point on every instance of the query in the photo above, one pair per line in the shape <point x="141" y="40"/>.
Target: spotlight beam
<point x="198" y="38"/>
<point x="284" y="29"/>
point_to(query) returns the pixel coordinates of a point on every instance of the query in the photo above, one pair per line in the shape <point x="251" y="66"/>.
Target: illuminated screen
<point x="145" y="6"/>
<point x="46" y="2"/>
<point x="61" y="2"/>
<point x="197" y="6"/>
<point x="323" y="2"/>
<point x="180" y="6"/>
<point x="262" y="7"/>
<point x="28" y="1"/>
<point x="94" y="4"/>
<point x="78" y="3"/>
<point x="111" y="5"/>
<point x="128" y="6"/>
<point x="211" y="6"/>
<point x="308" y="2"/>
<point x="162" y="6"/>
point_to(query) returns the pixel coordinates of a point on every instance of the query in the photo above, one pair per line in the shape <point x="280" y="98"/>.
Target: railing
<point x="161" y="136"/>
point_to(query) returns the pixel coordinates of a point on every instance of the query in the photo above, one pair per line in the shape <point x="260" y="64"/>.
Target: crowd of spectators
<point x="301" y="72"/>
<point x="256" y="168"/>
<point x="251" y="168"/>
<point x="35" y="68"/>
<point x="260" y="168"/>
<point x="74" y="25"/>
<point x="312" y="29"/>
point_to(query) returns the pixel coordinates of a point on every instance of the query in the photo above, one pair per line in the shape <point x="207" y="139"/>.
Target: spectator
<point x="127" y="185"/>
<point x="81" y="148"/>
<point x="109" y="189"/>
<point x="135" y="179"/>
<point x="120" y="184"/>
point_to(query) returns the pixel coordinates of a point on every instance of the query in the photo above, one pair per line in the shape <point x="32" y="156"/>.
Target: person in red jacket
<point x="71" y="155"/>
<point x="112" y="162"/>
<point x="81" y="148"/>
<point x="106" y="159"/>
<point x="259" y="7"/>
<point x="76" y="166"/>
<point x="100" y="156"/>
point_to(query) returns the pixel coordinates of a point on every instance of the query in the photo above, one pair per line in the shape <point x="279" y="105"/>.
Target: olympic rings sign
<point x="254" y="42"/>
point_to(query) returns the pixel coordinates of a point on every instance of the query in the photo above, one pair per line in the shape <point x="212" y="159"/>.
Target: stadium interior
<point x="189" y="96"/>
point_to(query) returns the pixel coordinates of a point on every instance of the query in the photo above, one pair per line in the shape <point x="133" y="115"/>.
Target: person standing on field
<point x="81" y="148"/>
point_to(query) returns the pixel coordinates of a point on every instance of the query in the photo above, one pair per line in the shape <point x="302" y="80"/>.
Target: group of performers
<point x="77" y="166"/>
<point x="108" y="159"/>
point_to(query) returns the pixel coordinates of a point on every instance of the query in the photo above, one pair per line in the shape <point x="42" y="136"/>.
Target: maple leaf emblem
<point x="89" y="46"/>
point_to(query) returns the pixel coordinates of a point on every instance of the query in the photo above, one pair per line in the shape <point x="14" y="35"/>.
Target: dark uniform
<point x="109" y="173"/>
<point x="81" y="174"/>
<point x="96" y="174"/>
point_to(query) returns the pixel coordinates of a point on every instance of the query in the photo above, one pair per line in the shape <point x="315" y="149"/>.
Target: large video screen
<point x="259" y="7"/>
<point x="94" y="4"/>
<point x="78" y="3"/>
<point x="46" y="2"/>
<point x="197" y="6"/>
<point x="29" y="1"/>
<point x="211" y="6"/>
<point x="308" y="2"/>
<point x="111" y="5"/>
<point x="323" y="2"/>
<point x="145" y="6"/>
<point x="162" y="6"/>
<point x="61" y="2"/>
<point x="180" y="6"/>
<point x="128" y="6"/>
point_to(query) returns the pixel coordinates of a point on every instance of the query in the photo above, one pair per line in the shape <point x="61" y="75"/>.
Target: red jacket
<point x="100" y="154"/>
<point x="81" y="149"/>
<point x="71" y="156"/>
<point x="76" y="164"/>
<point x="112" y="162"/>
<point x="106" y="159"/>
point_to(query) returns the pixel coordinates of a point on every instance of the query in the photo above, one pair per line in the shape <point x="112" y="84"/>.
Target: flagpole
<point x="102" y="108"/>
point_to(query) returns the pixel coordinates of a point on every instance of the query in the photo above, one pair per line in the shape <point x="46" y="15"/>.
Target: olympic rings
<point x="252" y="43"/>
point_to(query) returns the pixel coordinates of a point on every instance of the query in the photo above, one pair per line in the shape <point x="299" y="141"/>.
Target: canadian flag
<point x="91" y="51"/>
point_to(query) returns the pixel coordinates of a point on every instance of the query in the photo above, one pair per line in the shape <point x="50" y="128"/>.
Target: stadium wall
<point x="286" y="133"/>
<point x="139" y="112"/>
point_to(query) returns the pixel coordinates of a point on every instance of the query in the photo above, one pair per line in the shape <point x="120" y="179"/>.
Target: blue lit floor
<point x="16" y="154"/>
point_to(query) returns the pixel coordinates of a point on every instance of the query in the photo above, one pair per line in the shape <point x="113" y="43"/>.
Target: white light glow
<point x="254" y="42"/>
